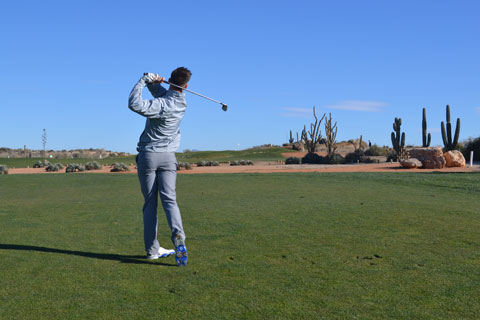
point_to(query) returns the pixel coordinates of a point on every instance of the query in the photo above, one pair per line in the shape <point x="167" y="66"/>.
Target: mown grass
<point x="261" y="246"/>
<point x="254" y="154"/>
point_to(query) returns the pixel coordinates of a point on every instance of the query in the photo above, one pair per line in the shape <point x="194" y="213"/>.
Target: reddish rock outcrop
<point x="431" y="158"/>
<point x="411" y="163"/>
<point x="454" y="158"/>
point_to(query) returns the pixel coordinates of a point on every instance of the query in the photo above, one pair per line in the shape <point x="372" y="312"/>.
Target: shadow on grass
<point x="103" y="256"/>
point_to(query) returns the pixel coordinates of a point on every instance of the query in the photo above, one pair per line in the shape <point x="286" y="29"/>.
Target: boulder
<point x="454" y="158"/>
<point x="411" y="163"/>
<point x="431" y="158"/>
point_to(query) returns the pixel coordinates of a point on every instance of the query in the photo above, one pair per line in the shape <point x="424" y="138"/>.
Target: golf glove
<point x="150" y="77"/>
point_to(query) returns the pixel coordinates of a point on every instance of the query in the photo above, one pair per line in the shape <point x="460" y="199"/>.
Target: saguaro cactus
<point x="291" y="137"/>
<point x="398" y="143"/>
<point x="331" y="134"/>
<point x="425" y="138"/>
<point x="447" y="137"/>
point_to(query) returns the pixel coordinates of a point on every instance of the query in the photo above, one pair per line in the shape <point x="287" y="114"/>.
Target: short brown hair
<point x="180" y="76"/>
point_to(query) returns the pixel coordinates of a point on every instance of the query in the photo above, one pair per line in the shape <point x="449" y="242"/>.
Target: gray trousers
<point x="157" y="172"/>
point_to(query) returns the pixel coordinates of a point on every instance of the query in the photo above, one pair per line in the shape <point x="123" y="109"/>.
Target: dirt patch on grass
<point x="268" y="167"/>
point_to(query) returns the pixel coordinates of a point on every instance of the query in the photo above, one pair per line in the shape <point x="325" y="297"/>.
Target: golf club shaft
<point x="198" y="94"/>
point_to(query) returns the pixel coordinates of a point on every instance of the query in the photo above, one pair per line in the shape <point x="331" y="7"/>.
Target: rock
<point x="411" y="163"/>
<point x="431" y="158"/>
<point x="298" y="146"/>
<point x="454" y="158"/>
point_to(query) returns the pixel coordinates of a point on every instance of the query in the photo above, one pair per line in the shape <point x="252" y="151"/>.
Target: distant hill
<point x="61" y="154"/>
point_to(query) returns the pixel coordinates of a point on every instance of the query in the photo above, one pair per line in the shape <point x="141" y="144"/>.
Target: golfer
<point x="156" y="161"/>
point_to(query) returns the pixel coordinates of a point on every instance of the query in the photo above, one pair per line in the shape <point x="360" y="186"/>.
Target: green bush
<point x="375" y="150"/>
<point x="472" y="145"/>
<point x="41" y="164"/>
<point x="335" y="159"/>
<point x="234" y="163"/>
<point x="215" y="164"/>
<point x="358" y="156"/>
<point x="3" y="169"/>
<point x="93" y="166"/>
<point x="392" y="156"/>
<point x="184" y="165"/>
<point x="201" y="164"/>
<point x="74" y="167"/>
<point x="51" y="168"/>
<point x="119" y="167"/>
<point x="313" y="158"/>
<point x="292" y="160"/>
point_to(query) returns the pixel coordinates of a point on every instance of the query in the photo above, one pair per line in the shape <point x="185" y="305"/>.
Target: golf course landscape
<point x="261" y="246"/>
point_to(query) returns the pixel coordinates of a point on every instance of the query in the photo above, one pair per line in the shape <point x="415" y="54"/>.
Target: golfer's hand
<point x="153" y="78"/>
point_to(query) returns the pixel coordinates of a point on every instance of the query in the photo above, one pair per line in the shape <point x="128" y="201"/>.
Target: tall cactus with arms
<point x="398" y="143"/>
<point x="447" y="137"/>
<point x="425" y="138"/>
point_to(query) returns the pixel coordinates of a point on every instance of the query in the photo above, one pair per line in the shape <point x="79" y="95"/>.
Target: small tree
<point x="331" y="134"/>
<point x="314" y="133"/>
<point x="44" y="141"/>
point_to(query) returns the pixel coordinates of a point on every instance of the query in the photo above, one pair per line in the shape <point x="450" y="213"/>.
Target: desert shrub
<point x="392" y="156"/>
<point x="335" y="159"/>
<point x="3" y="169"/>
<point x="313" y="158"/>
<point x="215" y="164"/>
<point x="72" y="167"/>
<point x="119" y="167"/>
<point x="201" y="164"/>
<point x="243" y="162"/>
<point x="234" y="163"/>
<point x="250" y="163"/>
<point x="184" y="165"/>
<point x="93" y="166"/>
<point x="41" y="164"/>
<point x="51" y="168"/>
<point x="59" y="165"/>
<point x="292" y="160"/>
<point x="357" y="156"/>
<point x="375" y="150"/>
<point x="472" y="145"/>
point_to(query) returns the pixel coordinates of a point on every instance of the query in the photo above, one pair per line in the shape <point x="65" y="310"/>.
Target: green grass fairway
<point x="261" y="246"/>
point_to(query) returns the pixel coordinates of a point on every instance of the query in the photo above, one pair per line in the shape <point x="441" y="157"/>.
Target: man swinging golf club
<point x="156" y="161"/>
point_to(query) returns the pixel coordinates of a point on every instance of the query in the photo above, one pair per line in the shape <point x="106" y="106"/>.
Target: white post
<point x="471" y="159"/>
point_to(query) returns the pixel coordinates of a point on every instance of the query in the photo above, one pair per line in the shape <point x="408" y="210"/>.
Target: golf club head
<point x="224" y="107"/>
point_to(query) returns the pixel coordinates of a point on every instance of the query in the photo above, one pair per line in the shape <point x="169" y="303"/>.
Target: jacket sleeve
<point x="147" y="108"/>
<point x="156" y="89"/>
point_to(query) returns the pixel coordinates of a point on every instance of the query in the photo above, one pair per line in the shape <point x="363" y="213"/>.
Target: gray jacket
<point x="164" y="115"/>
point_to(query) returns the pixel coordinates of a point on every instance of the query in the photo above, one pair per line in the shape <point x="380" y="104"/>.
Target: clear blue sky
<point x="68" y="66"/>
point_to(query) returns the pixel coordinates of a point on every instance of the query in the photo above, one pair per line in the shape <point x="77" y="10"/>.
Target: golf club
<point x="224" y="106"/>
